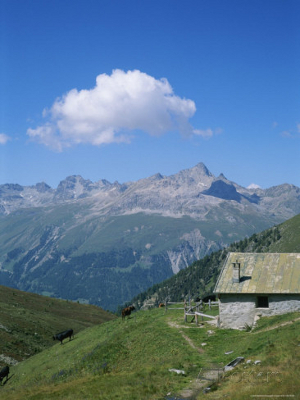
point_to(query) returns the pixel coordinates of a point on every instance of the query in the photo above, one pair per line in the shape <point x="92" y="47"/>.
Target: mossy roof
<point x="261" y="273"/>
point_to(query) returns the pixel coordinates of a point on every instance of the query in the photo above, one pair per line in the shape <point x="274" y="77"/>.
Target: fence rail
<point x="204" y="315"/>
<point x="195" y="310"/>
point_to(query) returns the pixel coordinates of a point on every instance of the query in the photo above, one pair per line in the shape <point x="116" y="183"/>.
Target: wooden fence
<point x="195" y="311"/>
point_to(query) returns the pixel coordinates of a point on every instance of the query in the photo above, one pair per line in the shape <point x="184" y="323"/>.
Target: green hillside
<point x="131" y="360"/>
<point x="199" y="278"/>
<point x="28" y="321"/>
<point x="289" y="241"/>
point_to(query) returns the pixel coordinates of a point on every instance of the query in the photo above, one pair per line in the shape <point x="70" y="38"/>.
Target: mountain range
<point x="103" y="243"/>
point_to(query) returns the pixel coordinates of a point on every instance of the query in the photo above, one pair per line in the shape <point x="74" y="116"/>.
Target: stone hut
<point x="252" y="285"/>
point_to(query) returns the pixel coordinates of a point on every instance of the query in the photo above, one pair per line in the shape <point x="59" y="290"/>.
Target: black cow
<point x="4" y="373"/>
<point x="63" y="335"/>
<point x="127" y="311"/>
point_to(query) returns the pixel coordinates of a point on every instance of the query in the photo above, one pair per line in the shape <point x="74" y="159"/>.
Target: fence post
<point x="209" y="304"/>
<point x="184" y="307"/>
<point x="166" y="305"/>
<point x="196" y="316"/>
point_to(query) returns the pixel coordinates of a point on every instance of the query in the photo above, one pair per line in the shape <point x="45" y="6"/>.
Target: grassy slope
<point x="131" y="360"/>
<point x="28" y="321"/>
<point x="276" y="343"/>
<point x="290" y="237"/>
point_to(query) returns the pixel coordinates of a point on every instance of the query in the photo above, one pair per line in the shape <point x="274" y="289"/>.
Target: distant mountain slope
<point x="199" y="278"/>
<point x="104" y="243"/>
<point x="28" y="321"/>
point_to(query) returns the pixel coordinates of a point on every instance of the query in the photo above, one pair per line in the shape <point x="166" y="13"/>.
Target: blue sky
<point x="121" y="90"/>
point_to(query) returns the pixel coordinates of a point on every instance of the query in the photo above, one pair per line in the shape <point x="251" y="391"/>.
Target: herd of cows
<point x="4" y="372"/>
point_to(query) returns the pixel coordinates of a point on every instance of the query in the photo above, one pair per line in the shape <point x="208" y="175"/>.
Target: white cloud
<point x="292" y="133"/>
<point x="4" y="138"/>
<point x="218" y="131"/>
<point x="119" y="104"/>
<point x="207" y="133"/>
<point x="286" y="134"/>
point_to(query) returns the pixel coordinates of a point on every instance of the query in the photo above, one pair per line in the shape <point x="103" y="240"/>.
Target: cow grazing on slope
<point x="127" y="311"/>
<point x="4" y="373"/>
<point x="161" y="305"/>
<point x="63" y="335"/>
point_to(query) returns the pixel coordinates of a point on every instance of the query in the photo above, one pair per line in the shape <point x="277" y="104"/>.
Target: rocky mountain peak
<point x="11" y="187"/>
<point x="156" y="177"/>
<point x="202" y="169"/>
<point x="42" y="187"/>
<point x="103" y="183"/>
<point x="222" y="177"/>
<point x="73" y="187"/>
<point x="198" y="177"/>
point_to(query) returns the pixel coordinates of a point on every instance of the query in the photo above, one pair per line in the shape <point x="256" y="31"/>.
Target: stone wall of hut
<point x="239" y="310"/>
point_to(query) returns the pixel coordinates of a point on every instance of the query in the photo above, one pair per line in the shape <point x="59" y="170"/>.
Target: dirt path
<point x="278" y="326"/>
<point x="190" y="342"/>
<point x="205" y="376"/>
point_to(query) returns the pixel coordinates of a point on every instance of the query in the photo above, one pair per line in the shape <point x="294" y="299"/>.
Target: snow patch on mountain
<point x="253" y="186"/>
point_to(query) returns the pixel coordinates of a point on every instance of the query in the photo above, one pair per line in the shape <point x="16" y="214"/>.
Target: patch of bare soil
<point x="205" y="378"/>
<point x="278" y="326"/>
